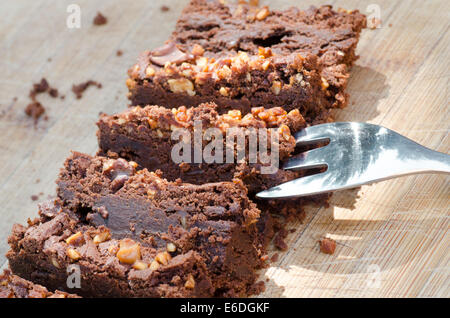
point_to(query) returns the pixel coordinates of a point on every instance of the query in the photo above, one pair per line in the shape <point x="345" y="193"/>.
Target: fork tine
<point x="313" y="134"/>
<point x="310" y="159"/>
<point x="314" y="184"/>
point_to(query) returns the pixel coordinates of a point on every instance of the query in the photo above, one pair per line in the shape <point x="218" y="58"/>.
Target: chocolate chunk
<point x="169" y="53"/>
<point x="118" y="181"/>
<point x="116" y="168"/>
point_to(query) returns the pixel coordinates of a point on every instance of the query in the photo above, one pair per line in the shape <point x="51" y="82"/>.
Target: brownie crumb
<point x="35" y="110"/>
<point x="279" y="240"/>
<point x="14" y="99"/>
<point x="164" y="8"/>
<point x="39" y="88"/>
<point x="274" y="257"/>
<point x="100" y="19"/>
<point x="119" y="53"/>
<point x="49" y="59"/>
<point x="79" y="89"/>
<point x="53" y="92"/>
<point x="327" y="245"/>
<point x="34" y="197"/>
<point x="257" y="288"/>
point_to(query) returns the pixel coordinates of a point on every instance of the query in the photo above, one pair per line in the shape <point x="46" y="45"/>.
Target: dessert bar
<point x="143" y="135"/>
<point x="241" y="55"/>
<point x="134" y="234"/>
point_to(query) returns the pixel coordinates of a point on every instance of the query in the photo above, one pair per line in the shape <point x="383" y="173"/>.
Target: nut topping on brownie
<point x="241" y="56"/>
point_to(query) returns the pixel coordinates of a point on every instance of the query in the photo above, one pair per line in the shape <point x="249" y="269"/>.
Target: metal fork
<point x="357" y="154"/>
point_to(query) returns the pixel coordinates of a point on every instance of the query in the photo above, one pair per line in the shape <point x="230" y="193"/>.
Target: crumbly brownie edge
<point x="143" y="135"/>
<point x="43" y="251"/>
<point x="13" y="286"/>
<point x="232" y="246"/>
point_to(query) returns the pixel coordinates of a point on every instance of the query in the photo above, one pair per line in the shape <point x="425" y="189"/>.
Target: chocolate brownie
<point x="134" y="234"/>
<point x="144" y="134"/>
<point x="12" y="286"/>
<point x="241" y="56"/>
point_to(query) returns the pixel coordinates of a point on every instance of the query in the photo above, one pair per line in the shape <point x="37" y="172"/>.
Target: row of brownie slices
<point x="131" y="222"/>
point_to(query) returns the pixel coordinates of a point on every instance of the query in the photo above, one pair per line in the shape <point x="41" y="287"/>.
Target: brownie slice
<point x="134" y="234"/>
<point x="241" y="56"/>
<point x="13" y="286"/>
<point x="143" y="135"/>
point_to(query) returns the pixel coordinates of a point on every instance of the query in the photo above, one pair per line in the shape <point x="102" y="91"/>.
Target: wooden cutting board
<point x="393" y="237"/>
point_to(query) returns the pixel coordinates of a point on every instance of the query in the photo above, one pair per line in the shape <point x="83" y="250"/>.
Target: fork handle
<point x="436" y="161"/>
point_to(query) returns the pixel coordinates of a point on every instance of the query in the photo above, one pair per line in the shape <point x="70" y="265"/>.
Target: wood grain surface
<point x="393" y="237"/>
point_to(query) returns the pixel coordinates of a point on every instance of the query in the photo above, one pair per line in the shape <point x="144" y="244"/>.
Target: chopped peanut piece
<point x="263" y="13"/>
<point x="129" y="251"/>
<point x="284" y="132"/>
<point x="265" y="65"/>
<point x="224" y="73"/>
<point x="324" y="84"/>
<point x="55" y="262"/>
<point x="75" y="239"/>
<point x="265" y="52"/>
<point x="73" y="254"/>
<point x="236" y="114"/>
<point x="276" y="87"/>
<point x="223" y="91"/>
<point x="171" y="247"/>
<point x="154" y="265"/>
<point x="150" y="71"/>
<point x="181" y="114"/>
<point x="130" y="83"/>
<point x="152" y="123"/>
<point x="102" y="237"/>
<point x="108" y="165"/>
<point x="151" y="194"/>
<point x="163" y="258"/>
<point x="140" y="265"/>
<point x="198" y="50"/>
<point x="190" y="282"/>
<point x="181" y="85"/>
